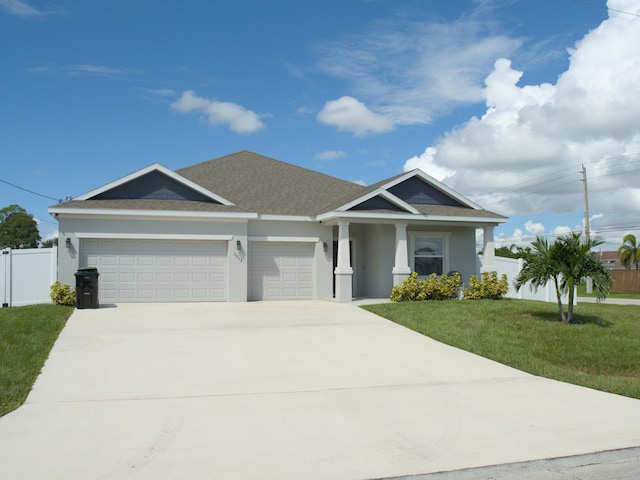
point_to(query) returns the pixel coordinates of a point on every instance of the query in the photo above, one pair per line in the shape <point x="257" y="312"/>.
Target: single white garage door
<point x="281" y="271"/>
<point x="157" y="270"/>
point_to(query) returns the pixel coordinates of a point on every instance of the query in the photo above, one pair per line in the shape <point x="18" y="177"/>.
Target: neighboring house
<point x="247" y="227"/>
<point x="611" y="260"/>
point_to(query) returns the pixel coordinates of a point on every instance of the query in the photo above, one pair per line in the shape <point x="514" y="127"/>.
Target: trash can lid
<point x="88" y="269"/>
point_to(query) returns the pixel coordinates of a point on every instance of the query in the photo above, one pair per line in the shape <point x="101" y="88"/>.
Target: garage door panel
<point x="142" y="261"/>
<point x="157" y="270"/>
<point x="281" y="271"/>
<point x="106" y="261"/>
<point x="122" y="278"/>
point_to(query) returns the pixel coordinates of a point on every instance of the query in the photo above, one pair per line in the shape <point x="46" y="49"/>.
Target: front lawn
<point x="601" y="352"/>
<point x="26" y="337"/>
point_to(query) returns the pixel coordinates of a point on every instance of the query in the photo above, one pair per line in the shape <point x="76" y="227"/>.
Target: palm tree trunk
<point x="559" y="298"/>
<point x="570" y="306"/>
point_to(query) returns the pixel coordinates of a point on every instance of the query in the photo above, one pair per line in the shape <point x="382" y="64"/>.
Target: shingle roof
<point x="261" y="184"/>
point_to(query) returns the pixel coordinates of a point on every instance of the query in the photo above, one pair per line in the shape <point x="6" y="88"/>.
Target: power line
<point x="30" y="191"/>
<point x="604" y="7"/>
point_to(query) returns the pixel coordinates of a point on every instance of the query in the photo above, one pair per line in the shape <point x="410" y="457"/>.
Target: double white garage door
<point x="189" y="271"/>
<point x="157" y="270"/>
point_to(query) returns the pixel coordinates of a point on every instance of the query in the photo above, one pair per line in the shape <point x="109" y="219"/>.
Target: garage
<point x="281" y="271"/>
<point x="157" y="270"/>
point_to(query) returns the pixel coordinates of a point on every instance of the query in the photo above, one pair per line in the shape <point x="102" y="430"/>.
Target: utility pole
<point x="587" y="230"/>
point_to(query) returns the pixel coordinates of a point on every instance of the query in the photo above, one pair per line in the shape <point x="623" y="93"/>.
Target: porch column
<point x="488" y="251"/>
<point x="343" y="271"/>
<point x="401" y="269"/>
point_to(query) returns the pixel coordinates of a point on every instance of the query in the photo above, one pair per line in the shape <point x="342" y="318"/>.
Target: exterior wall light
<point x="238" y="245"/>
<point x="325" y="247"/>
<point x="67" y="242"/>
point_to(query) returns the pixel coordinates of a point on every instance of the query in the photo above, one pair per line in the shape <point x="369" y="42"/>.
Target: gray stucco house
<point x="248" y="227"/>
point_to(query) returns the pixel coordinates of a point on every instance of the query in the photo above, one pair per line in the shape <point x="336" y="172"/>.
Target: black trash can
<point x="87" y="287"/>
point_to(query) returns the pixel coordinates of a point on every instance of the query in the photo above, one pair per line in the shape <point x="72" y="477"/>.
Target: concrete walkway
<point x="609" y="301"/>
<point x="286" y="390"/>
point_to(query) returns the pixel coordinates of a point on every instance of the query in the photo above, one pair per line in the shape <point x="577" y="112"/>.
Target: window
<point x="428" y="254"/>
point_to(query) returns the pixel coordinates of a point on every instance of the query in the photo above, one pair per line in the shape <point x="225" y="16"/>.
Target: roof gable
<point x="429" y="190"/>
<point x="377" y="203"/>
<point x="416" y="191"/>
<point x="154" y="185"/>
<point x="154" y="182"/>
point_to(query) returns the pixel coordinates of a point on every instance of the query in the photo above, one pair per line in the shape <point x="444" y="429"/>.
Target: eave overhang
<point x="364" y="217"/>
<point x="89" y="212"/>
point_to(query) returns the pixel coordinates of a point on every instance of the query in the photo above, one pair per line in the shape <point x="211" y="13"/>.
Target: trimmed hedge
<point x="443" y="287"/>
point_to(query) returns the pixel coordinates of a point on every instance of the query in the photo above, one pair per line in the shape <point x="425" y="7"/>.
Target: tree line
<point x="18" y="229"/>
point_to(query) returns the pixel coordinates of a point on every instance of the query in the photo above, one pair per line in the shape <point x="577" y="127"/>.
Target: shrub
<point x="432" y="288"/>
<point x="62" y="294"/>
<point x="487" y="287"/>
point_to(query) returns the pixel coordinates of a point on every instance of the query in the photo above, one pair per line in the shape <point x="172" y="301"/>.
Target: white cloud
<point x="330" y="155"/>
<point x="562" y="230"/>
<point x="19" y="8"/>
<point x="85" y="69"/>
<point x="23" y="9"/>
<point x="98" y="70"/>
<point x="238" y="118"/>
<point x="535" y="228"/>
<point x="426" y="163"/>
<point x="350" y="115"/>
<point x="412" y="70"/>
<point x="523" y="155"/>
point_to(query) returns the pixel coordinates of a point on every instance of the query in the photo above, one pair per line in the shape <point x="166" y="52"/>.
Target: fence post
<point x="5" y="272"/>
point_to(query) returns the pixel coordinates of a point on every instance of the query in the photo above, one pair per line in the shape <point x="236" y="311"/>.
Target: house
<point x="610" y="259"/>
<point x="248" y="227"/>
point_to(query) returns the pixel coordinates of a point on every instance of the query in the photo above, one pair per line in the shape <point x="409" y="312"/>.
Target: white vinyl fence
<point x="26" y="275"/>
<point x="511" y="267"/>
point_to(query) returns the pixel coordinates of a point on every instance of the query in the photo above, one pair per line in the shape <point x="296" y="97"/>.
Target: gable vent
<point x="377" y="203"/>
<point x="416" y="192"/>
<point x="153" y="186"/>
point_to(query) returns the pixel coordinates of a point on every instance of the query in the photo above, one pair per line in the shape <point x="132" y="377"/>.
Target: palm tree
<point x="629" y="252"/>
<point x="566" y="261"/>
<point x="577" y="263"/>
<point x="540" y="266"/>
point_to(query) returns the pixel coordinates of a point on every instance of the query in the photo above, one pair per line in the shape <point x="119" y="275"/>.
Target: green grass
<point x="26" y="337"/>
<point x="601" y="352"/>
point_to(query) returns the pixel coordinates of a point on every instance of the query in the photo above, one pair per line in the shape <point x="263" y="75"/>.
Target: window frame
<point x="444" y="236"/>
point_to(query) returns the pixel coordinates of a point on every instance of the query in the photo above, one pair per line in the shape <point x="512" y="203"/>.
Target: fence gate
<point x="26" y="275"/>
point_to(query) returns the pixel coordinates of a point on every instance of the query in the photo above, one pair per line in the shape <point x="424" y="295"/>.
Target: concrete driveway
<point x="286" y="390"/>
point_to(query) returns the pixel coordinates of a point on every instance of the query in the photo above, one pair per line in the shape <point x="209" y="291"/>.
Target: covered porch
<point x="371" y="256"/>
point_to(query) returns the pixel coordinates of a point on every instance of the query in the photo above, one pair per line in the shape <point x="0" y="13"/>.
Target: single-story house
<point x="248" y="227"/>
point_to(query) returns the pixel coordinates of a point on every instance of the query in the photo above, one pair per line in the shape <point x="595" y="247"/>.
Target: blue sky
<point x="502" y="100"/>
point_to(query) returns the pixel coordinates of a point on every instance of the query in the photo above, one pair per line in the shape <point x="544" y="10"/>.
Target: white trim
<point x="382" y="193"/>
<point x="150" y="213"/>
<point x="151" y="236"/>
<point x="421" y="217"/>
<point x="443" y="218"/>
<point x="274" y="238"/>
<point x="149" y="169"/>
<point x="285" y="218"/>
<point x="363" y="215"/>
